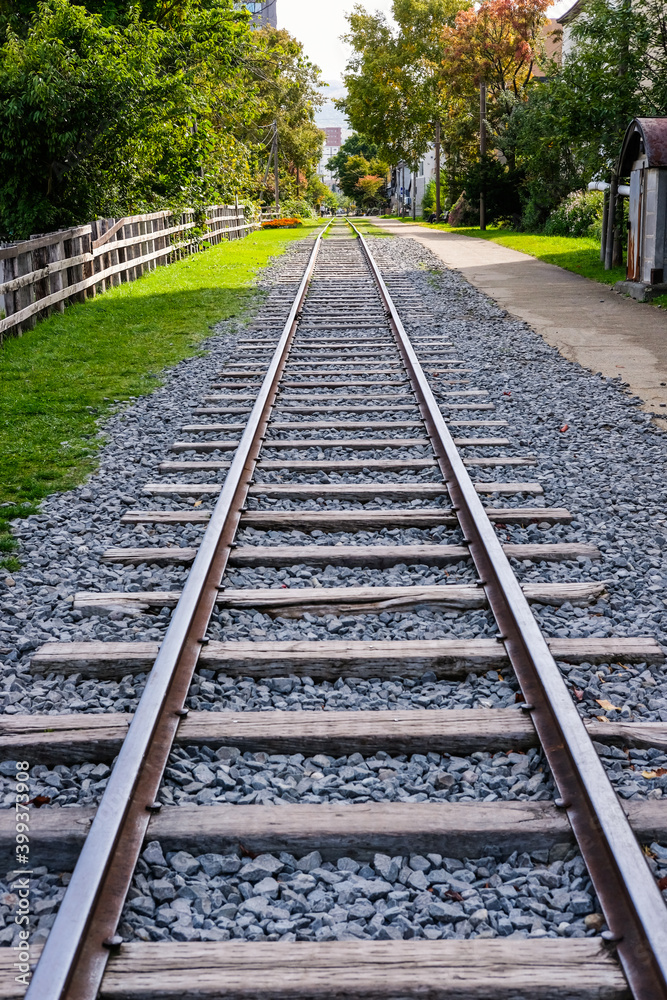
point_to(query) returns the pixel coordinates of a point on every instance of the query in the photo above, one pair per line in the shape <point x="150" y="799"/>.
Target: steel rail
<point x="84" y="933"/>
<point x="632" y="904"/>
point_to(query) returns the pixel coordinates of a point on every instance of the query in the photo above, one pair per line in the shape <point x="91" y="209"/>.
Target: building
<point x="333" y="140"/>
<point x="567" y="23"/>
<point x="406" y="185"/>
<point x="552" y="36"/>
<point x="264" y="12"/>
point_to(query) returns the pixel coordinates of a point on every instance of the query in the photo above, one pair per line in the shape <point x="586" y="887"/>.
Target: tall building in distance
<point x="332" y="143"/>
<point x="264" y="12"/>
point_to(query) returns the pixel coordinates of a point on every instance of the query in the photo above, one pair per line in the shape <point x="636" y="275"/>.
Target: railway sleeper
<point x="68" y="739"/>
<point x="332" y="658"/>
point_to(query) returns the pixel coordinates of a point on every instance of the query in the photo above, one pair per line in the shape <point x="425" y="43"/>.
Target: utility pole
<point x="611" y="222"/>
<point x="437" y="171"/>
<point x="276" y="172"/>
<point x="482" y="151"/>
<point x="414" y="194"/>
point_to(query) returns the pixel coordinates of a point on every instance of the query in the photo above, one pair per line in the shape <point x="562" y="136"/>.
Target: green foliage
<point x="571" y="128"/>
<point x="356" y="167"/>
<point x="297" y="207"/>
<point x="287" y="86"/>
<point x="318" y="194"/>
<point x="108" y="109"/>
<point x="429" y="200"/>
<point x="100" y="119"/>
<point x="390" y="93"/>
<point x="580" y="214"/>
<point x="533" y="138"/>
<point x="354" y="145"/>
<point x="500" y="185"/>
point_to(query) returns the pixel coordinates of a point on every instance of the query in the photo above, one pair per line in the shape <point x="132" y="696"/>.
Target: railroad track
<point x="329" y="359"/>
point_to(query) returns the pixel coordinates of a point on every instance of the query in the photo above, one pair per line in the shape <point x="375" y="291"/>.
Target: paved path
<point x="584" y="320"/>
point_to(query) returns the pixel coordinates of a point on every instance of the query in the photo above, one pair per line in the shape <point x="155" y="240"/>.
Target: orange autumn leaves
<point x="498" y="43"/>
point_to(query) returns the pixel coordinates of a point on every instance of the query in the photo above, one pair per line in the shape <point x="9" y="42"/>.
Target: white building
<point x="567" y="23"/>
<point x="332" y="144"/>
<point x="406" y="186"/>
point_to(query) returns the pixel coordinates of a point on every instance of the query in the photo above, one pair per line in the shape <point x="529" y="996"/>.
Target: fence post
<point x="41" y="285"/>
<point x="78" y="247"/>
<point x="3" y="308"/>
<point x="56" y="253"/>
<point x="10" y="272"/>
<point x="113" y="257"/>
<point x="161" y="241"/>
<point x="87" y="268"/>
<point x="24" y="296"/>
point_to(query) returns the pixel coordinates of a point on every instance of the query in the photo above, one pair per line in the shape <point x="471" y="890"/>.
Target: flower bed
<point x="282" y="223"/>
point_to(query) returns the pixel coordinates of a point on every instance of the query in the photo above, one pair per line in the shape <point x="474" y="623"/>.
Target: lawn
<point x="59" y="380"/>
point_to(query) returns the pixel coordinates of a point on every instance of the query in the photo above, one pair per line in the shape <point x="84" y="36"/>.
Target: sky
<point x="318" y="24"/>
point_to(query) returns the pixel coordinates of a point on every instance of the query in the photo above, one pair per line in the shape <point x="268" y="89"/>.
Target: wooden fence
<point x="39" y="276"/>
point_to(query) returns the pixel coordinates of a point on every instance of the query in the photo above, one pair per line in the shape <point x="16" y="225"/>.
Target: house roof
<point x="644" y="135"/>
<point x="572" y="13"/>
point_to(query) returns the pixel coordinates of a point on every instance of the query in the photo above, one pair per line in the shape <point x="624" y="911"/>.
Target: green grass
<point x="58" y="380"/>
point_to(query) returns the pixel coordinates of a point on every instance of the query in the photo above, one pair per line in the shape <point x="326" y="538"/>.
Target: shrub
<point x="297" y="207"/>
<point x="282" y="224"/>
<point x="580" y="214"/>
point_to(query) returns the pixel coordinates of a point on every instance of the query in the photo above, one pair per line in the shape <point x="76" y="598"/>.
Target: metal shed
<point x="643" y="159"/>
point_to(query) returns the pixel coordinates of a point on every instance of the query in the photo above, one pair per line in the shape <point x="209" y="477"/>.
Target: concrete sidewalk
<point x="584" y="320"/>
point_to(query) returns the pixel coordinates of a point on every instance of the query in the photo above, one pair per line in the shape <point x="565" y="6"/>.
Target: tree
<point x="496" y="43"/>
<point x="396" y="89"/>
<point x="356" y="167"/>
<point x="368" y="188"/>
<point x="382" y="99"/>
<point x="93" y="118"/>
<point x="287" y="86"/>
<point x="571" y="128"/>
<point x="319" y="194"/>
<point x="353" y="145"/>
<point x="120" y="109"/>
<point x="491" y="50"/>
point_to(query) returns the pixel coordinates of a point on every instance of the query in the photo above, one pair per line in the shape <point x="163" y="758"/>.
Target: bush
<point x="282" y="224"/>
<point x="297" y="207"/>
<point x="580" y="214"/>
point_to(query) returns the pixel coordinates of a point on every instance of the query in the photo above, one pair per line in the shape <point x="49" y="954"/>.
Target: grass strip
<point x="59" y="380"/>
